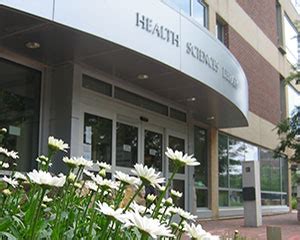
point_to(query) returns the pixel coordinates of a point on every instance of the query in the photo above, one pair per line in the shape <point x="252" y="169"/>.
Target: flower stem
<point x="136" y="193"/>
<point x="37" y="213"/>
<point x="162" y="195"/>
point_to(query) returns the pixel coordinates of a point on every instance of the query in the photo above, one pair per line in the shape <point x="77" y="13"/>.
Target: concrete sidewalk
<point x="290" y="227"/>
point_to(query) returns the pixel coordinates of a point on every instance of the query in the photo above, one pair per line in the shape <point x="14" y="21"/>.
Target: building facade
<point x="120" y="81"/>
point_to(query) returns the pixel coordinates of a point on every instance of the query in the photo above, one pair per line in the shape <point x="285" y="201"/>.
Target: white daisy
<point x="126" y="179"/>
<point x="148" y="225"/>
<point x="105" y="182"/>
<point x="77" y="162"/>
<point x="46" y="199"/>
<point x="150" y="198"/>
<point x="71" y="177"/>
<point x="183" y="214"/>
<point x="20" y="176"/>
<point x="110" y="212"/>
<point x="148" y="175"/>
<point x="196" y="232"/>
<point x="137" y="207"/>
<point x="104" y="165"/>
<point x="13" y="182"/>
<point x="45" y="179"/>
<point x="88" y="173"/>
<point x="178" y="156"/>
<point x="176" y="194"/>
<point x="57" y="144"/>
<point x="91" y="186"/>
<point x="5" y="165"/>
<point x="11" y="154"/>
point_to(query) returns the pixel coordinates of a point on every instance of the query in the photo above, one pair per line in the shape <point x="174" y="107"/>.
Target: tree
<point x="288" y="131"/>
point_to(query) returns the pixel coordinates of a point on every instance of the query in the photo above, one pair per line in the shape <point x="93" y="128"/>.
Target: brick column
<point x="214" y="173"/>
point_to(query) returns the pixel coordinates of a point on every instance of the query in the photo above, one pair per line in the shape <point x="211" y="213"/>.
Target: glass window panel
<point x="200" y="152"/>
<point x="19" y="111"/>
<point x="153" y="150"/>
<point x="98" y="137"/>
<point x="223" y="161"/>
<point x="96" y="85"/>
<point x="183" y="5"/>
<point x="140" y="101"/>
<point x="127" y="145"/>
<point x="202" y="197"/>
<point x="284" y="167"/>
<point x="176" y="114"/>
<point x="223" y="199"/>
<point x="271" y="199"/>
<point x="269" y="171"/>
<point x="291" y="41"/>
<point x="178" y="185"/>
<point x="236" y="199"/>
<point x="200" y="12"/>
<point x="176" y="144"/>
<point x="251" y="152"/>
<point x="236" y="154"/>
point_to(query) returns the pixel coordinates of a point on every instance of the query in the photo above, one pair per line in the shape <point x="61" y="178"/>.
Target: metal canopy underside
<point x="60" y="44"/>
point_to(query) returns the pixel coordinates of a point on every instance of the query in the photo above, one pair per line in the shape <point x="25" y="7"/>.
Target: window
<point x="96" y="85"/>
<point x="296" y="4"/>
<point x="176" y="114"/>
<point x="199" y="12"/>
<point x="291" y="41"/>
<point x="222" y="31"/>
<point x="197" y="9"/>
<point x="273" y="172"/>
<point x="293" y="99"/>
<point x="279" y="24"/>
<point x="201" y="171"/>
<point x="19" y="112"/>
<point x="181" y="5"/>
<point x="97" y="138"/>
<point x="140" y="101"/>
<point x="127" y="145"/>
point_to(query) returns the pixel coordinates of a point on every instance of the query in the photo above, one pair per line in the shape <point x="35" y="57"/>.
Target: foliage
<point x="87" y="205"/>
<point x="294" y="203"/>
<point x="288" y="131"/>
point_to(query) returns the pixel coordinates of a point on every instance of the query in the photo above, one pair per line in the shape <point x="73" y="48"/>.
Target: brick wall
<point x="263" y="13"/>
<point x="263" y="79"/>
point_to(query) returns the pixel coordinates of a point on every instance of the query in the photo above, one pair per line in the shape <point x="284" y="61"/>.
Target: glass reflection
<point x="200" y="152"/>
<point x="199" y="12"/>
<point x="19" y="111"/>
<point x="97" y="138"/>
<point x="178" y="185"/>
<point x="236" y="154"/>
<point x="183" y="5"/>
<point x="223" y="161"/>
<point x="153" y="150"/>
<point x="127" y="145"/>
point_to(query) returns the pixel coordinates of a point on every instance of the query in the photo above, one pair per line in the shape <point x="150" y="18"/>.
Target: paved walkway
<point x="290" y="228"/>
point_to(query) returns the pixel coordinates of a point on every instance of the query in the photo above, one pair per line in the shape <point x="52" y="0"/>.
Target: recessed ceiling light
<point x="191" y="99"/>
<point x="210" y="118"/>
<point x="33" y="45"/>
<point x="142" y="76"/>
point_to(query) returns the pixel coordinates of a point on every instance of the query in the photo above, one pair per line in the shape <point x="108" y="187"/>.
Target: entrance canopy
<point x="147" y="44"/>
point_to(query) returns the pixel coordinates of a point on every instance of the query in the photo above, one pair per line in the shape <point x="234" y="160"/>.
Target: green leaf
<point x="8" y="235"/>
<point x="4" y="223"/>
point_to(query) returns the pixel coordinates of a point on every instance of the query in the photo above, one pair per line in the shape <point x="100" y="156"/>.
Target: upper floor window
<point x="222" y="31"/>
<point x="279" y="24"/>
<point x="296" y="4"/>
<point x="182" y="5"/>
<point x="199" y="12"/>
<point x="197" y="9"/>
<point x="291" y="41"/>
